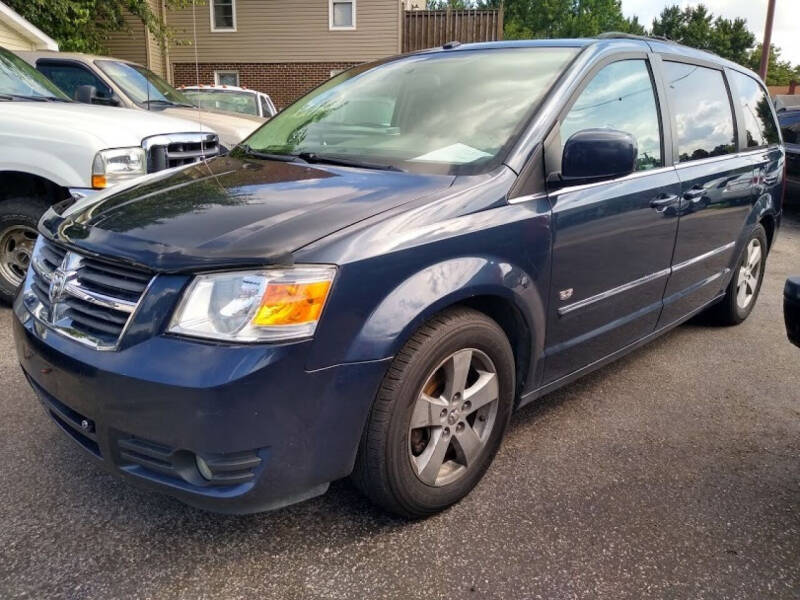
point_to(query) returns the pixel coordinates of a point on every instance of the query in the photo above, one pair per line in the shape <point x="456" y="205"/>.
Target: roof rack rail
<point x="632" y="36"/>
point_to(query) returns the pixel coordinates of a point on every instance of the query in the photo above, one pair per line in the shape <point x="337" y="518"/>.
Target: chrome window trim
<point x="528" y="198"/>
<point x="594" y="184"/>
<point x="569" y="308"/>
<point x="637" y="174"/>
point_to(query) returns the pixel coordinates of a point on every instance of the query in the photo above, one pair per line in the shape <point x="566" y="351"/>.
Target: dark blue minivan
<point x="378" y="277"/>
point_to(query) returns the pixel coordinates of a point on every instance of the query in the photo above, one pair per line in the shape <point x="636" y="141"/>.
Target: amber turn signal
<point x="292" y="303"/>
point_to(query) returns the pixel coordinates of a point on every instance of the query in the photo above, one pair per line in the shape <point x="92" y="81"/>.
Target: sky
<point x="785" y="31"/>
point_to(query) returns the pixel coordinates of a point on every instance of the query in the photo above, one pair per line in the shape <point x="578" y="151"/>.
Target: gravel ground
<point x="672" y="473"/>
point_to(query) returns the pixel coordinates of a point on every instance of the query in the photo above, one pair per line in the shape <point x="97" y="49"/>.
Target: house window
<point x="226" y="78"/>
<point x="342" y="14"/>
<point x="223" y="15"/>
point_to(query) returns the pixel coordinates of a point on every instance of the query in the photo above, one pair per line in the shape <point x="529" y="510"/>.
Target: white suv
<point x="52" y="149"/>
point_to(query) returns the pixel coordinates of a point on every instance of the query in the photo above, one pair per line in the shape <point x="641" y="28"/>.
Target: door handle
<point x="664" y="201"/>
<point x="694" y="193"/>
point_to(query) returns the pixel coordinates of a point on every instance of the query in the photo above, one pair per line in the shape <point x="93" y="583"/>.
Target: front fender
<point x="444" y="284"/>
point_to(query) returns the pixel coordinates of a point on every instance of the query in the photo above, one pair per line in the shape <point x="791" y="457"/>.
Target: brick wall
<point x="284" y="82"/>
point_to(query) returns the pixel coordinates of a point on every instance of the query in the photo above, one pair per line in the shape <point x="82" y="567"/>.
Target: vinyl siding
<point x="271" y="31"/>
<point x="129" y="44"/>
<point x="156" y="57"/>
<point x="11" y="40"/>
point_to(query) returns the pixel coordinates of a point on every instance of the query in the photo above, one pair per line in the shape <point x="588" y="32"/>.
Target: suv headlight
<point x="117" y="164"/>
<point x="254" y="306"/>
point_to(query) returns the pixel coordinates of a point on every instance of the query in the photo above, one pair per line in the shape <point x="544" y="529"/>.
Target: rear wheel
<point x="18" y="221"/>
<point x="439" y="416"/>
<point x="742" y="292"/>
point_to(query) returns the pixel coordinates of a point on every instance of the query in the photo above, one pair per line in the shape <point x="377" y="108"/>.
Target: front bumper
<point x="271" y="432"/>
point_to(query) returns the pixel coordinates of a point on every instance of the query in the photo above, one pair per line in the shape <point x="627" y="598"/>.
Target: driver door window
<point x="620" y="97"/>
<point x="70" y="77"/>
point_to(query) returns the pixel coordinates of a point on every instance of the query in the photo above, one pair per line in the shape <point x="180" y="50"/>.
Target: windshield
<point x="142" y="85"/>
<point x="230" y="100"/>
<point x="19" y="79"/>
<point x="447" y="111"/>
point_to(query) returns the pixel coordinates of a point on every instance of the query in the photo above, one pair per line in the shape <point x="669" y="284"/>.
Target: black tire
<point x="728" y="311"/>
<point x="384" y="470"/>
<point x="14" y="213"/>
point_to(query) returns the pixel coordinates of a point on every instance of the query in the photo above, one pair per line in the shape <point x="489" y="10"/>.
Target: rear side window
<point x="701" y="109"/>
<point x="620" y="97"/>
<point x="760" y="127"/>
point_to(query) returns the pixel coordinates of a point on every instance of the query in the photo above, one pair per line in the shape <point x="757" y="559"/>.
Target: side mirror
<point x="86" y="94"/>
<point x="597" y="154"/>
<point x="112" y="101"/>
<point x="791" y="309"/>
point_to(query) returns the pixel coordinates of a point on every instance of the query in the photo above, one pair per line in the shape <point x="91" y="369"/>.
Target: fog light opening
<point x="203" y="467"/>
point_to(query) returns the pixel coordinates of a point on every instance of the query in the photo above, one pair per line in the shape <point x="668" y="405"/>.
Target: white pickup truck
<point x="52" y="149"/>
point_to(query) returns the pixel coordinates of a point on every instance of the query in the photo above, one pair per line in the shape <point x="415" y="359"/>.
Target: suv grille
<point x="175" y="150"/>
<point x="87" y="299"/>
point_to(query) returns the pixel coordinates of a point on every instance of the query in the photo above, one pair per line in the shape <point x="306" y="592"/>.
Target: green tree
<point x="779" y="72"/>
<point x="566" y="18"/>
<point x="84" y="25"/>
<point x="732" y="39"/>
<point x="695" y="26"/>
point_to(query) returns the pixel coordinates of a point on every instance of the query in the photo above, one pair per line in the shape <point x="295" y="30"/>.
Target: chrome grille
<point x="178" y="149"/>
<point x="87" y="299"/>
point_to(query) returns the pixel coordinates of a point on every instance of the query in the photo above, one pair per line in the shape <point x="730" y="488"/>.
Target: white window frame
<point x="226" y="72"/>
<point x="333" y="27"/>
<point x="214" y="28"/>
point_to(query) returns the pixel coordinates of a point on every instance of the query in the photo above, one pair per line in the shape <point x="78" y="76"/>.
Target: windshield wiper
<point x="23" y="97"/>
<point x="270" y="155"/>
<point x="313" y="157"/>
<point x="160" y="101"/>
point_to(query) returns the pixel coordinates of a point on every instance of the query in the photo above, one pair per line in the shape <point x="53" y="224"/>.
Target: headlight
<point x="117" y="164"/>
<point x="254" y="306"/>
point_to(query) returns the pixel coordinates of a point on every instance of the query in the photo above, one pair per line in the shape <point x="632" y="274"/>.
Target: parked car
<point x="791" y="309"/>
<point x="114" y="82"/>
<point x="230" y="98"/>
<point x="373" y="292"/>
<point x="790" y="128"/>
<point x="52" y="149"/>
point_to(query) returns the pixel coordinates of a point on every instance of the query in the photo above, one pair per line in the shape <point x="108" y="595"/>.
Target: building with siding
<point x="18" y="34"/>
<point x="281" y="48"/>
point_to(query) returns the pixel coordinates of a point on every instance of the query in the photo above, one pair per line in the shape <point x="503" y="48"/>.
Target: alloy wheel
<point x="453" y="417"/>
<point x="16" y="248"/>
<point x="749" y="272"/>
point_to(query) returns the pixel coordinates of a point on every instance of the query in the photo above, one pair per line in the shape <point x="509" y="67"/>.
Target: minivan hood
<point x="231" y="212"/>
<point x="112" y="127"/>
<point x="231" y="128"/>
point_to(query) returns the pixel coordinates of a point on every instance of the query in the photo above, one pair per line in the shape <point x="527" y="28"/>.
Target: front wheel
<point x="742" y="292"/>
<point x="18" y="221"/>
<point x="439" y="416"/>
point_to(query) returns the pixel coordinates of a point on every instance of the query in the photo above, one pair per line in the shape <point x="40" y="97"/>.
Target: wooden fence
<point x="431" y="28"/>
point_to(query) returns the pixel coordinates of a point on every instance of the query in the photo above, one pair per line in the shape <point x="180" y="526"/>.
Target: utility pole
<point x="765" y="47"/>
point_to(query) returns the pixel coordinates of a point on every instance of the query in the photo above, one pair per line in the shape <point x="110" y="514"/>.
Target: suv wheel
<point x="18" y="220"/>
<point x="439" y="416"/>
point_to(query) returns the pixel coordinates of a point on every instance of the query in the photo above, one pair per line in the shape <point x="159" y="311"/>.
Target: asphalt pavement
<point x="672" y="473"/>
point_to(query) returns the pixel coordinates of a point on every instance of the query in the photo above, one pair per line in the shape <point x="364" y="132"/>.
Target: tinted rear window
<point x="701" y="109"/>
<point x="759" y="124"/>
